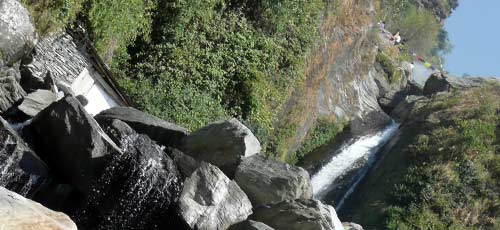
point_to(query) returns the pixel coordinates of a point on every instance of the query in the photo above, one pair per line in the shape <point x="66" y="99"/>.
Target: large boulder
<point x="18" y="35"/>
<point x="164" y="133"/>
<point x="210" y="200"/>
<point x="266" y="180"/>
<point x="37" y="101"/>
<point x="405" y="109"/>
<point x="301" y="214"/>
<point x="20" y="168"/>
<point x="250" y="225"/>
<point x="10" y="90"/>
<point x="19" y="213"/>
<point x="222" y="143"/>
<point x="351" y="226"/>
<point x="139" y="189"/>
<point x="71" y="142"/>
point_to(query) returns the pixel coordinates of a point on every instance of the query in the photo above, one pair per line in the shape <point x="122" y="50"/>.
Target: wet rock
<point x="10" y="90"/>
<point x="19" y="213"/>
<point x="266" y="180"/>
<point x="37" y="101"/>
<point x="138" y="189"/>
<point x="210" y="200"/>
<point x="301" y="214"/>
<point x="369" y="123"/>
<point x="222" y="143"/>
<point x="351" y="226"/>
<point x="71" y="142"/>
<point x="250" y="225"/>
<point x="32" y="80"/>
<point x="164" y="133"/>
<point x="186" y="164"/>
<point x="20" y="168"/>
<point x="17" y="33"/>
<point x="117" y="130"/>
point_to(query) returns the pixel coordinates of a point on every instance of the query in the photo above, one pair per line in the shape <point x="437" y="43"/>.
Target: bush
<point x="50" y="15"/>
<point x="323" y="131"/>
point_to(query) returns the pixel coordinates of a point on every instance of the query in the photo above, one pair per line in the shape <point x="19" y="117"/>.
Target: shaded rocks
<point x="266" y="180"/>
<point x="17" y="33"/>
<point x="222" y="143"/>
<point x="210" y="200"/>
<point x="164" y="133"/>
<point x="250" y="225"/>
<point x="37" y="101"/>
<point x="20" y="168"/>
<point x="19" y="213"/>
<point x="71" y="142"/>
<point x="404" y="110"/>
<point x="138" y="188"/>
<point x="301" y="214"/>
<point x="186" y="164"/>
<point x="10" y="90"/>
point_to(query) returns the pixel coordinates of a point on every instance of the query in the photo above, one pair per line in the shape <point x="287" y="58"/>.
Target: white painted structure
<point x="73" y="62"/>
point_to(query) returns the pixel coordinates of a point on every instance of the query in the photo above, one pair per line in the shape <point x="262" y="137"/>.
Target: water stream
<point x="363" y="149"/>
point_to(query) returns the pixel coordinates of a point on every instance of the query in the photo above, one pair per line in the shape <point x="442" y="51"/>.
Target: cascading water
<point x="365" y="148"/>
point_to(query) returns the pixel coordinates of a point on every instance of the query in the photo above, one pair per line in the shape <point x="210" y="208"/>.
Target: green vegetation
<point x="239" y="58"/>
<point x="389" y="68"/>
<point x="420" y="29"/>
<point x="51" y="15"/>
<point x="324" y="131"/>
<point x="453" y="178"/>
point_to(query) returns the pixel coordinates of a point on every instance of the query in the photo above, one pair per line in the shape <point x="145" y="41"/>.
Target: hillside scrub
<point x="454" y="173"/>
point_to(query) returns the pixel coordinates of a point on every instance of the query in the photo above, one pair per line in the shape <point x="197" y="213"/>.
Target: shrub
<point x="50" y="15"/>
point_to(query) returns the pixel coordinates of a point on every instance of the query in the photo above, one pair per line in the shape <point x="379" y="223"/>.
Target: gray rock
<point x="37" y="101"/>
<point x="414" y="88"/>
<point x="222" y="143"/>
<point x="164" y="133"/>
<point x="210" y="200"/>
<point x="71" y="142"/>
<point x="18" y="35"/>
<point x="301" y="214"/>
<point x="186" y="164"/>
<point x="117" y="130"/>
<point x="404" y="110"/>
<point x="441" y="82"/>
<point x="19" y="213"/>
<point x="10" y="90"/>
<point x="351" y="226"/>
<point x="82" y="99"/>
<point x="20" y="168"/>
<point x="266" y="180"/>
<point x="250" y="225"/>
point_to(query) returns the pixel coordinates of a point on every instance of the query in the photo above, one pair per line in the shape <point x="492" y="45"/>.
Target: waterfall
<point x="365" y="148"/>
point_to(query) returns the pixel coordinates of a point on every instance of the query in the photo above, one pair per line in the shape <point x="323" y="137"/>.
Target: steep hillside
<point x="442" y="169"/>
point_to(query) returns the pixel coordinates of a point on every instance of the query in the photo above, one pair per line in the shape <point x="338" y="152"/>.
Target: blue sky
<point x="474" y="30"/>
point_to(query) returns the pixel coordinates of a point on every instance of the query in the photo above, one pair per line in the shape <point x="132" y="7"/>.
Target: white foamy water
<point x="364" y="147"/>
<point x="99" y="100"/>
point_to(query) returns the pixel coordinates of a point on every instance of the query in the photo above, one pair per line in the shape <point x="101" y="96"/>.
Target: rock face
<point x="162" y="132"/>
<point x="20" y="168"/>
<point x="250" y="225"/>
<point x="37" y="101"/>
<point x="18" y="34"/>
<point x="301" y="214"/>
<point x="210" y="200"/>
<point x="222" y="143"/>
<point x="10" y="90"/>
<point x="404" y="109"/>
<point x="19" y="213"/>
<point x="439" y="82"/>
<point x="267" y="180"/>
<point x="138" y="189"/>
<point x="71" y="142"/>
